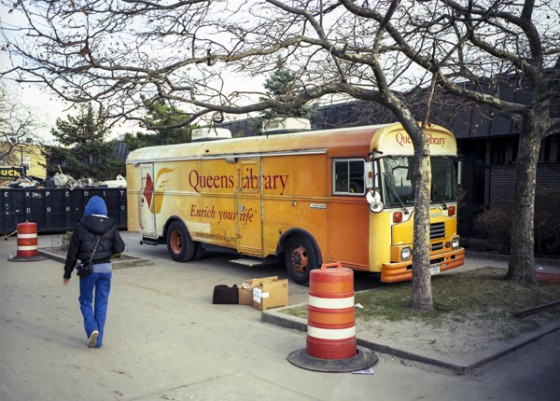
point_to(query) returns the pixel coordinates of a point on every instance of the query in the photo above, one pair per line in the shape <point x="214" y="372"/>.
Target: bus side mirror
<point x="374" y="200"/>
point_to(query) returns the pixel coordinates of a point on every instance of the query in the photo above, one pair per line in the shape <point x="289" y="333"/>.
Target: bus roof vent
<point x="282" y="125"/>
<point x="210" y="134"/>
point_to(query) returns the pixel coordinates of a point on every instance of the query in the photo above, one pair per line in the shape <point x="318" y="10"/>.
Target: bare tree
<point x="189" y="52"/>
<point x="17" y="129"/>
<point x="505" y="55"/>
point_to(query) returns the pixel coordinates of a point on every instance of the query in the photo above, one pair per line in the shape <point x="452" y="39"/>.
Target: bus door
<point x="348" y="225"/>
<point x="248" y="204"/>
<point x="146" y="201"/>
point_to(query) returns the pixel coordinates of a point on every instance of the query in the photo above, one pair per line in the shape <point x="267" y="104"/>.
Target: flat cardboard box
<point x="269" y="292"/>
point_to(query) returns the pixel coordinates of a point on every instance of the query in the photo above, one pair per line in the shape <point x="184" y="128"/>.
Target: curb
<point x="127" y="261"/>
<point x="540" y="262"/>
<point x="27" y="259"/>
<point x="276" y="317"/>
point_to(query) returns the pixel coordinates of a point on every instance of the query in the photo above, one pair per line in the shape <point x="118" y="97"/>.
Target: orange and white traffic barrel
<point x="331" y="331"/>
<point x="27" y="240"/>
<point x="27" y="243"/>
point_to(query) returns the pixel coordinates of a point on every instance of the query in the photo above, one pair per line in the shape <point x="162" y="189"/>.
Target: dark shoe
<point x="92" y="340"/>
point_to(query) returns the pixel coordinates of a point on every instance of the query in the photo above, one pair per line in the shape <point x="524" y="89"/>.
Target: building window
<point x="27" y="162"/>
<point x="504" y="151"/>
<point x="549" y="150"/>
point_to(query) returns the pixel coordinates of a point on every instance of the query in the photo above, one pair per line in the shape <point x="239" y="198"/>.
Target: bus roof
<point x="387" y="139"/>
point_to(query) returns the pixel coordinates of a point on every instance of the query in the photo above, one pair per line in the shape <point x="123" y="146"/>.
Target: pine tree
<point x="84" y="150"/>
<point x="282" y="85"/>
<point x="160" y="114"/>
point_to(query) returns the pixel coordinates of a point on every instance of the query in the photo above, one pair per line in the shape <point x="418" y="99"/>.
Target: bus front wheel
<point x="180" y="246"/>
<point x="300" y="258"/>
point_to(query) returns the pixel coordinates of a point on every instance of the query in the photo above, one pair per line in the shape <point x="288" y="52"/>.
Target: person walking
<point x="95" y="237"/>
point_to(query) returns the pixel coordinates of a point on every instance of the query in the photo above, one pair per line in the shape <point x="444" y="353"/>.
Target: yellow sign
<point x="10" y="173"/>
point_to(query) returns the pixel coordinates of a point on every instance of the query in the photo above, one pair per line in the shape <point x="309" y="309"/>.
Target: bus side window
<point x="348" y="177"/>
<point x="341" y="176"/>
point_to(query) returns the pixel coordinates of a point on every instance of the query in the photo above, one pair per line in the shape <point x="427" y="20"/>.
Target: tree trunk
<point x="421" y="279"/>
<point x="521" y="267"/>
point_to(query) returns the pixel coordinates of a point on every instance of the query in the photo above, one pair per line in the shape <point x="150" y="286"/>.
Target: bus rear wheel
<point x="300" y="258"/>
<point x="180" y="246"/>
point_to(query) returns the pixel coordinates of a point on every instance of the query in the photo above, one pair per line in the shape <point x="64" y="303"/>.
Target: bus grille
<point x="437" y="230"/>
<point x="437" y="246"/>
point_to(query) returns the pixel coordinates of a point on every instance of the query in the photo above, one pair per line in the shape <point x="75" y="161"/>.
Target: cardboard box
<point x="269" y="292"/>
<point x="245" y="295"/>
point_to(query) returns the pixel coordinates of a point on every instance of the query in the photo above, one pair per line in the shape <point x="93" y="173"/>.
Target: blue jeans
<point x="94" y="310"/>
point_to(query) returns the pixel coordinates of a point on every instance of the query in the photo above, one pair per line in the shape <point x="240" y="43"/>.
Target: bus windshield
<point x="397" y="181"/>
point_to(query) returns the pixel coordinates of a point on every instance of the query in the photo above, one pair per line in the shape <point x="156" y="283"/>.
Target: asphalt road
<point x="166" y="341"/>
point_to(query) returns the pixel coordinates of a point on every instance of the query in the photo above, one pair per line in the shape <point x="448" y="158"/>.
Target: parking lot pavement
<point x="165" y="340"/>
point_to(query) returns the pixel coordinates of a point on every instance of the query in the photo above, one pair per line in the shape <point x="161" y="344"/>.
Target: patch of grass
<point x="475" y="296"/>
<point x="298" y="311"/>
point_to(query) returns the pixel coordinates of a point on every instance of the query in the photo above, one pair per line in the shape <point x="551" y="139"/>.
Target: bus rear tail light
<point x="397" y="217"/>
<point x="451" y="210"/>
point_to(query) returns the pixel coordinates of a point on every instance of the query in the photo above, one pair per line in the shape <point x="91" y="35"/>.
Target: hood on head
<point x="96" y="205"/>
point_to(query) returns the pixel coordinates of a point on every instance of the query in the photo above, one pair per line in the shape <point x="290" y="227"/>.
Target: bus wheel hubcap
<point x="299" y="259"/>
<point x="176" y="242"/>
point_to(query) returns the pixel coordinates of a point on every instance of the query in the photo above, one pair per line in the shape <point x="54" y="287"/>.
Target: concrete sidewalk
<point x="456" y="363"/>
<point x="166" y="341"/>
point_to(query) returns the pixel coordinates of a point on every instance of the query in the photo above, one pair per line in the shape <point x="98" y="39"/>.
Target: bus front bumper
<point x="402" y="271"/>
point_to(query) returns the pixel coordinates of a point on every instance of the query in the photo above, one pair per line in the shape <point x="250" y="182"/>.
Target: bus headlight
<point x="405" y="253"/>
<point x="455" y="243"/>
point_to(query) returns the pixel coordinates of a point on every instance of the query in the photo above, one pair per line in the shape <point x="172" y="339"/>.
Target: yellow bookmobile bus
<point x="340" y="195"/>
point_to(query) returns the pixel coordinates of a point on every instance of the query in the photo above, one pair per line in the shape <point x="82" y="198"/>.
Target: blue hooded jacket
<point x="92" y="226"/>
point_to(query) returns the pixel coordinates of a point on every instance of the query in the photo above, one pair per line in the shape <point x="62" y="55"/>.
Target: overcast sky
<point x="47" y="107"/>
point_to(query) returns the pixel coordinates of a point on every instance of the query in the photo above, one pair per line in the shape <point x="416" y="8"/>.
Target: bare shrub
<point x="495" y="225"/>
<point x="65" y="240"/>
